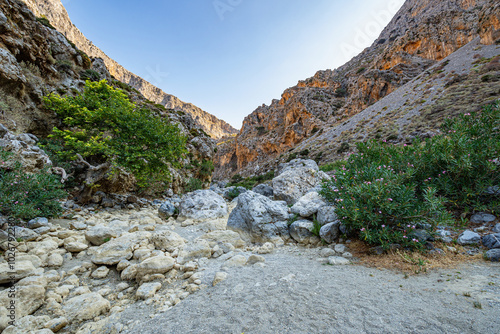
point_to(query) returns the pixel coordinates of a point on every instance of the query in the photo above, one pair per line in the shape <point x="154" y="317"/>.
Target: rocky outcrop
<point x="58" y="17"/>
<point x="421" y="34"/>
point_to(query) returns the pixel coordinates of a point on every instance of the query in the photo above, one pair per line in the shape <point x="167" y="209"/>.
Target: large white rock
<point x="155" y="265"/>
<point x="85" y="307"/>
<point x="119" y="249"/>
<point x="30" y="324"/>
<point x="297" y="178"/>
<point x="167" y="241"/>
<point x="148" y="290"/>
<point x="99" y="234"/>
<point x="28" y="299"/>
<point x="326" y="215"/>
<point x="202" y="205"/>
<point x="300" y="231"/>
<point x="258" y="219"/>
<point x="20" y="270"/>
<point x="308" y="204"/>
<point x="197" y="249"/>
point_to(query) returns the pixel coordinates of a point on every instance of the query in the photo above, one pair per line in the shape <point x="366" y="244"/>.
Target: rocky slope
<point x="421" y="34"/>
<point x="36" y="59"/>
<point x="58" y="16"/>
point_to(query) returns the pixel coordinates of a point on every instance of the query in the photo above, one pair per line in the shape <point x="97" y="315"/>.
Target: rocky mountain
<point x="420" y="35"/>
<point x="36" y="60"/>
<point x="55" y="12"/>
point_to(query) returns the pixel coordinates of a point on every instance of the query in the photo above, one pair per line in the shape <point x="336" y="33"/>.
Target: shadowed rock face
<point x="422" y="33"/>
<point x="58" y="17"/>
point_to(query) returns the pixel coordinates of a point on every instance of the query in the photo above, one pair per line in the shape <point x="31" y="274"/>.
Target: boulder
<point x="22" y="269"/>
<point x="99" y="234"/>
<point x="496" y="229"/>
<point x="493" y="255"/>
<point x="155" y="265"/>
<point x="167" y="241"/>
<point x="264" y="190"/>
<point x="326" y="215"/>
<point x="491" y="241"/>
<point x="166" y="210"/>
<point x="330" y="232"/>
<point x="119" y="249"/>
<point x="482" y="218"/>
<point x="147" y="290"/>
<point x="75" y="246"/>
<point x="25" y="234"/>
<point x="30" y="324"/>
<point x="308" y="204"/>
<point x="29" y="298"/>
<point x="300" y="231"/>
<point x="38" y="222"/>
<point x="202" y="205"/>
<point x="197" y="249"/>
<point x="296" y="179"/>
<point x="85" y="307"/>
<point x="469" y="238"/>
<point x="255" y="217"/>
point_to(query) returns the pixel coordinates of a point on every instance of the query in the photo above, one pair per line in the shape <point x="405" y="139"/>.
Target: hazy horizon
<point x="230" y="56"/>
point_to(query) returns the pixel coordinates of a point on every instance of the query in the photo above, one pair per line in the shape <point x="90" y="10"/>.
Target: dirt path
<point x="294" y="293"/>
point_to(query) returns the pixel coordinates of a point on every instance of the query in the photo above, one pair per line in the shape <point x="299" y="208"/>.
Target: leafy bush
<point x="385" y="191"/>
<point x="90" y="75"/>
<point x="45" y="21"/>
<point x="206" y="168"/>
<point x="26" y="196"/>
<point x="233" y="193"/>
<point x="248" y="183"/>
<point x="104" y="126"/>
<point x="193" y="184"/>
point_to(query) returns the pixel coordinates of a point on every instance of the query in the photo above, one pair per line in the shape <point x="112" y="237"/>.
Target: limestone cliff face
<point x="422" y="33"/>
<point x="58" y="17"/>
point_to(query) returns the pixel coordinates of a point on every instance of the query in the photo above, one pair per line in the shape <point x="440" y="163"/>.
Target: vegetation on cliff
<point x="386" y="191"/>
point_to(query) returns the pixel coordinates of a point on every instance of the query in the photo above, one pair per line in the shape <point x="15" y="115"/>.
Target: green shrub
<point x="193" y="185"/>
<point x="90" y="75"/>
<point x="291" y="157"/>
<point x="104" y="126"/>
<point x="26" y="196"/>
<point x="332" y="166"/>
<point x="248" y="183"/>
<point x="206" y="168"/>
<point x="87" y="63"/>
<point x="384" y="191"/>
<point x="45" y="21"/>
<point x="233" y="193"/>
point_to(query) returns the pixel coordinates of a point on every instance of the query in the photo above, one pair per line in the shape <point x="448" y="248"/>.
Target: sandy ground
<point x="294" y="293"/>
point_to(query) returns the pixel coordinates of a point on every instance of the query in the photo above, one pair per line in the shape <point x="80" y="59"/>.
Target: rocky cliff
<point x="421" y="34"/>
<point x="58" y="17"/>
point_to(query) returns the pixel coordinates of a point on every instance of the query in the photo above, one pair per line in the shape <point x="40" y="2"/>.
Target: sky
<point x="230" y="56"/>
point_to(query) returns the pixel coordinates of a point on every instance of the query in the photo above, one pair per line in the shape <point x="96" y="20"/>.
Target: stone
<point x="38" y="222"/>
<point x="295" y="179"/>
<point x="22" y="269"/>
<point x="77" y="225"/>
<point x="129" y="273"/>
<point x="236" y="261"/>
<point x="253" y="259"/>
<point x="29" y="298"/>
<point x="34" y="280"/>
<point x="25" y="234"/>
<point x="85" y="307"/>
<point x="100" y="272"/>
<point x="327" y="252"/>
<point x="42" y="230"/>
<point x="482" y="218"/>
<point x="469" y="238"/>
<point x="119" y="249"/>
<point x="197" y="249"/>
<point x="491" y="241"/>
<point x="202" y="205"/>
<point x="55" y="260"/>
<point x="224" y="237"/>
<point x="55" y="325"/>
<point x="326" y="215"/>
<point x="167" y="241"/>
<point x="4" y="318"/>
<point x="147" y="290"/>
<point x="330" y="232"/>
<point x="300" y="231"/>
<point x="266" y="248"/>
<point x="166" y="210"/>
<point x="496" y="229"/>
<point x="493" y="255"/>
<point x="75" y="246"/>
<point x="219" y="277"/>
<point x="264" y="190"/>
<point x="29" y="325"/>
<point x="308" y="204"/>
<point x="155" y="265"/>
<point x="338" y="260"/>
<point x="254" y="217"/>
<point x="420" y="235"/>
<point x="100" y="234"/>
<point x="340" y="248"/>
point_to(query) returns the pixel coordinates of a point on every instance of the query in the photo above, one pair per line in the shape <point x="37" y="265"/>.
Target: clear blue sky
<point x="230" y="56"/>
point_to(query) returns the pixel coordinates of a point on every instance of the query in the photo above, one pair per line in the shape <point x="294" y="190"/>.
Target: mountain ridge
<point x="57" y="15"/>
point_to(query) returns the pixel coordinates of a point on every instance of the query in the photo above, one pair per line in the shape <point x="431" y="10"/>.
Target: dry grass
<point x="411" y="263"/>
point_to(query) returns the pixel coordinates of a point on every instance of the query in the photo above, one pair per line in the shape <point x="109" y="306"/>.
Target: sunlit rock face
<point x="422" y="33"/>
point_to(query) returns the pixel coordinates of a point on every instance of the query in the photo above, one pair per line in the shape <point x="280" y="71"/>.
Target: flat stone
<point x="100" y="272"/>
<point x="469" y="238"/>
<point x="148" y="290"/>
<point x="482" y="218"/>
<point x="38" y="222"/>
<point x="85" y="307"/>
<point x="491" y="241"/>
<point x="29" y="298"/>
<point x="338" y="260"/>
<point x="22" y="269"/>
<point x="493" y="255"/>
